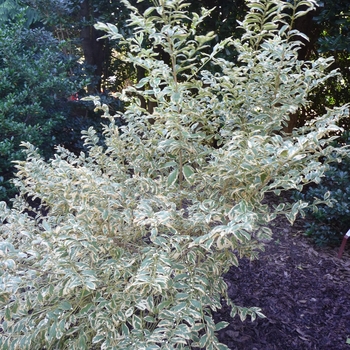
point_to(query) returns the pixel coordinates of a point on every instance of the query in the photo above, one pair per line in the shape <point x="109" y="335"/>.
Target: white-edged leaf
<point x="98" y="338"/>
<point x="172" y="178"/>
<point x="221" y="325"/>
<point x="90" y="285"/>
<point x="188" y="172"/>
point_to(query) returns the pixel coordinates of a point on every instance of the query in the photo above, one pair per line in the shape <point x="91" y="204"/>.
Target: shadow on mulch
<point x="304" y="292"/>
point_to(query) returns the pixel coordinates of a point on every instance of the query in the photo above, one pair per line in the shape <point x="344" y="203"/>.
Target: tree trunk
<point x="307" y="26"/>
<point x="95" y="51"/>
<point x="292" y="123"/>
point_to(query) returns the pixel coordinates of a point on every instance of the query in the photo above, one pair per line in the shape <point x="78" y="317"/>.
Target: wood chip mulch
<point x="303" y="290"/>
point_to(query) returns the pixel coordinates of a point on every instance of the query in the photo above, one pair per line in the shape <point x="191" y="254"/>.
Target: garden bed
<point x="303" y="290"/>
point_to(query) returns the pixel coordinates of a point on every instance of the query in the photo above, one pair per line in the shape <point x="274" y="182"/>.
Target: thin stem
<point x="174" y="73"/>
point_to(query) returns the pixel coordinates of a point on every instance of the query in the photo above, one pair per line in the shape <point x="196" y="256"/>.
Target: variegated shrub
<point x="131" y="240"/>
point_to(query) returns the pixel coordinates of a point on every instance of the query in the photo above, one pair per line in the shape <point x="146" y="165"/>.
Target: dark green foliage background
<point x="328" y="225"/>
<point x="35" y="80"/>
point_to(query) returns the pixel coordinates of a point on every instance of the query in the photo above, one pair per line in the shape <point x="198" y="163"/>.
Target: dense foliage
<point x="72" y="22"/>
<point x="130" y="244"/>
<point x="9" y="10"/>
<point x="34" y="86"/>
<point x="332" y="31"/>
<point x="328" y="31"/>
<point x="325" y="224"/>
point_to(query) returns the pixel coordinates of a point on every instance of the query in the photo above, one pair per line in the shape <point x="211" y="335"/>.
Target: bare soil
<point x="303" y="290"/>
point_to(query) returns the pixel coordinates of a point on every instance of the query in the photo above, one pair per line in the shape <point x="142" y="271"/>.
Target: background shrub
<point x="325" y="224"/>
<point x="35" y="81"/>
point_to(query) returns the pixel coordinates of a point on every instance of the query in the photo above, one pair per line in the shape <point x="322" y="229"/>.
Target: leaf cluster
<point x="10" y="9"/>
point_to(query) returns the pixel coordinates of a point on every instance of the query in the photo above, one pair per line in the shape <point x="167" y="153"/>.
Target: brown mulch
<point x="303" y="290"/>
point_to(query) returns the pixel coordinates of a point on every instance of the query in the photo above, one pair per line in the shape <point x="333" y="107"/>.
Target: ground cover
<point x="302" y="289"/>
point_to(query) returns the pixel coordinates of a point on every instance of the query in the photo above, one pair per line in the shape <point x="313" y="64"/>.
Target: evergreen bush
<point x="34" y="86"/>
<point x="327" y="224"/>
<point x="128" y="248"/>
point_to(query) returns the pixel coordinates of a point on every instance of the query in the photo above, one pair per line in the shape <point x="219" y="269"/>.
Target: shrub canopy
<point x="128" y="248"/>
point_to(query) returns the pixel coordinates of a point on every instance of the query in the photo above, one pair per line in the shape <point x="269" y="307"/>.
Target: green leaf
<point x="164" y="304"/>
<point x="243" y="312"/>
<point x="65" y="305"/>
<point x="125" y="330"/>
<point x="90" y="285"/>
<point x="168" y="165"/>
<point x="203" y="340"/>
<point x="82" y="341"/>
<point x="284" y="153"/>
<point x="149" y="319"/>
<point x="221" y="325"/>
<point x="52" y="331"/>
<point x="136" y="322"/>
<point x="152" y="347"/>
<point x="196" y="304"/>
<point x="188" y="172"/>
<point x="86" y="308"/>
<point x="280" y="207"/>
<point x="150" y="303"/>
<point x="98" y="338"/>
<point x="172" y="178"/>
<point x="8" y="313"/>
<point x="179" y="307"/>
<point x="46" y="226"/>
<point x="129" y="312"/>
<point x="105" y="215"/>
<point x="149" y="11"/>
<point x="181" y="296"/>
<point x="176" y="97"/>
<point x="263" y="177"/>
